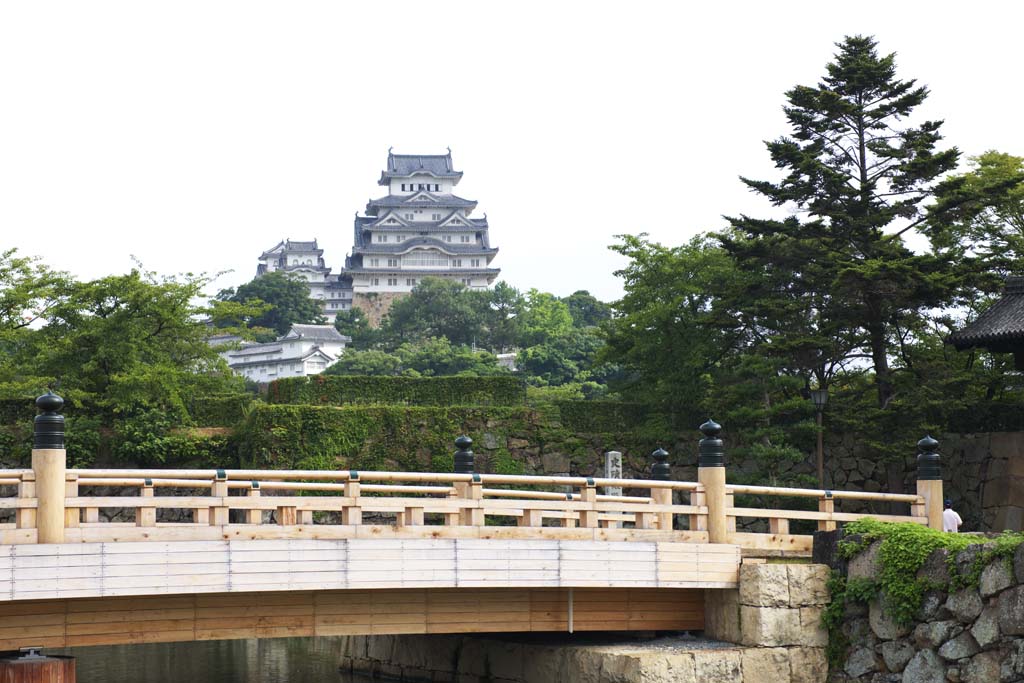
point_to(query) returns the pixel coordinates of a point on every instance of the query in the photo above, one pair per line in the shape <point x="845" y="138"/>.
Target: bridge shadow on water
<point x="278" y="660"/>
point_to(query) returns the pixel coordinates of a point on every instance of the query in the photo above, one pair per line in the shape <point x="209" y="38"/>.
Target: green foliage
<point x="355" y="324"/>
<point x="832" y="282"/>
<point x="417" y="391"/>
<point x="984" y="210"/>
<point x="608" y="416"/>
<point x="286" y="300"/>
<point x="368" y="437"/>
<point x="225" y="410"/>
<point x="586" y="310"/>
<point x="433" y="357"/>
<point x="438" y="307"/>
<point x="904" y="548"/>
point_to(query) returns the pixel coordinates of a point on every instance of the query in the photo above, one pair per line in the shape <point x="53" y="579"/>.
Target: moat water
<point x="279" y="660"/>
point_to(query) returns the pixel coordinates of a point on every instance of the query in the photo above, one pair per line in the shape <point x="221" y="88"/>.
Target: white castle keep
<point x="419" y="229"/>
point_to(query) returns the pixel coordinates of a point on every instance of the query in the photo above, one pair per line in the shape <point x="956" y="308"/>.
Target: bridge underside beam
<point x="109" y="621"/>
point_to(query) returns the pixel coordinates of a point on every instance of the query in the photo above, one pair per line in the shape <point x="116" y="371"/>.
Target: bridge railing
<point x="50" y="503"/>
<point x="101" y="504"/>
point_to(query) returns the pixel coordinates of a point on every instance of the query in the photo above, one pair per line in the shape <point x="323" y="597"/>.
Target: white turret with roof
<point x="304" y="350"/>
<point x="420" y="229"/>
<point x="305" y="260"/>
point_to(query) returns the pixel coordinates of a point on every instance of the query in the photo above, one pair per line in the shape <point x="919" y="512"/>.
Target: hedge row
<point x="335" y="390"/>
<point x="226" y="410"/>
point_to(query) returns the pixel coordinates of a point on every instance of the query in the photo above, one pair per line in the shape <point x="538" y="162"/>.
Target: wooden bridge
<point x="124" y="556"/>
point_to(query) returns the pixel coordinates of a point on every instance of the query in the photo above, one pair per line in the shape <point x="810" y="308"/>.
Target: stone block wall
<point x="560" y="659"/>
<point x="776" y="613"/>
<point x="970" y="635"/>
<point x="983" y="474"/>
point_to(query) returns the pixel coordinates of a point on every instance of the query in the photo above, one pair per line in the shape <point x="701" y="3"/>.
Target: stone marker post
<point x="929" y="480"/>
<point x="49" y="464"/>
<point x="711" y="473"/>
<point x="613" y="470"/>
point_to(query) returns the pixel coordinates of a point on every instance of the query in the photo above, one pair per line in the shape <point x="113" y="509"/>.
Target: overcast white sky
<point x="194" y="135"/>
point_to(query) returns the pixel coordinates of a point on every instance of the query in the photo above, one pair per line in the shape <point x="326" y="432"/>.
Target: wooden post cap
<point x="660" y="469"/>
<point x="929" y="465"/>
<point x="464" y="463"/>
<point x="48" y="432"/>
<point x="712" y="451"/>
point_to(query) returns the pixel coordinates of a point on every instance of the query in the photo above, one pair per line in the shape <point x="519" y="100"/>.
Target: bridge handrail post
<point x="146" y="516"/>
<point x="25" y="518"/>
<point x="49" y="464"/>
<point x="588" y="494"/>
<point x="698" y="498"/>
<point x="711" y="473"/>
<point x="255" y="515"/>
<point x="219" y="514"/>
<point x="72" y="516"/>
<point x="929" y="480"/>
<point x="661" y="471"/>
<point x="827" y="505"/>
<point x="352" y="514"/>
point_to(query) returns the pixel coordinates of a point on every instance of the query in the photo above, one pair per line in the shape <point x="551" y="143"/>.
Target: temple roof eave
<point x="1000" y="327"/>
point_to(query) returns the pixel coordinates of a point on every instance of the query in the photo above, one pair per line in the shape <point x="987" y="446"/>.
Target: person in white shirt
<point x="950" y="519"/>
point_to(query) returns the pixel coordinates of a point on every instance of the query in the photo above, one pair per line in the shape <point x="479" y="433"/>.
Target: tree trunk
<point x="880" y="360"/>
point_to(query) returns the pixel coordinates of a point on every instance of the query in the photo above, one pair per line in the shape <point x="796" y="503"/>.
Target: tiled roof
<point x="441" y="201"/>
<point x="413" y="225"/>
<point x="420" y="242"/>
<point x="405" y="165"/>
<point x="316" y="332"/>
<point x="1000" y="327"/>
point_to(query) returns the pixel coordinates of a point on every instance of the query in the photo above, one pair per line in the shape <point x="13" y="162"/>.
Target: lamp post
<point x="820" y="397"/>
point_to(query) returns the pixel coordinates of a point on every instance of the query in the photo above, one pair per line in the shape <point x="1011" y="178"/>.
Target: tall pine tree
<point x="834" y="283"/>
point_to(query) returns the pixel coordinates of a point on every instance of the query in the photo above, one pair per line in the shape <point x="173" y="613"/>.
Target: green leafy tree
<point x="502" y="318"/>
<point x="437" y="307"/>
<point x="354" y="323"/>
<point x="985" y="212"/>
<point x="835" y="281"/>
<point x="288" y="300"/>
<point x="544" y="317"/>
<point x="133" y="342"/>
<point x="372" y="362"/>
<point x="586" y="310"/>
<point x="673" y="325"/>
<point x="438" y="357"/>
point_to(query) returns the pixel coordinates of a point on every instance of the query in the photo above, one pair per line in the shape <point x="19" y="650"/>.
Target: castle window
<point x="374" y="262"/>
<point x="437" y="188"/>
<point x="399" y="238"/>
<point x="476" y="263"/>
<point x="464" y="238"/>
<point x="456" y="263"/>
<point x="466" y="281"/>
<point x="403" y="187"/>
<point x="382" y="238"/>
<point x="392" y="263"/>
<point x="435" y="216"/>
<point x="392" y="282"/>
<point x="410" y="282"/>
<point x="447" y="238"/>
<point x="425" y="258"/>
<point x="408" y="216"/>
<point x="376" y="281"/>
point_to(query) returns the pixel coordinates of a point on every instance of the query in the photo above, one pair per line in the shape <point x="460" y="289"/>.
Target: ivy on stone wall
<point x="415" y="391"/>
<point x="892" y="563"/>
<point x="224" y="410"/>
<point x="509" y="440"/>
